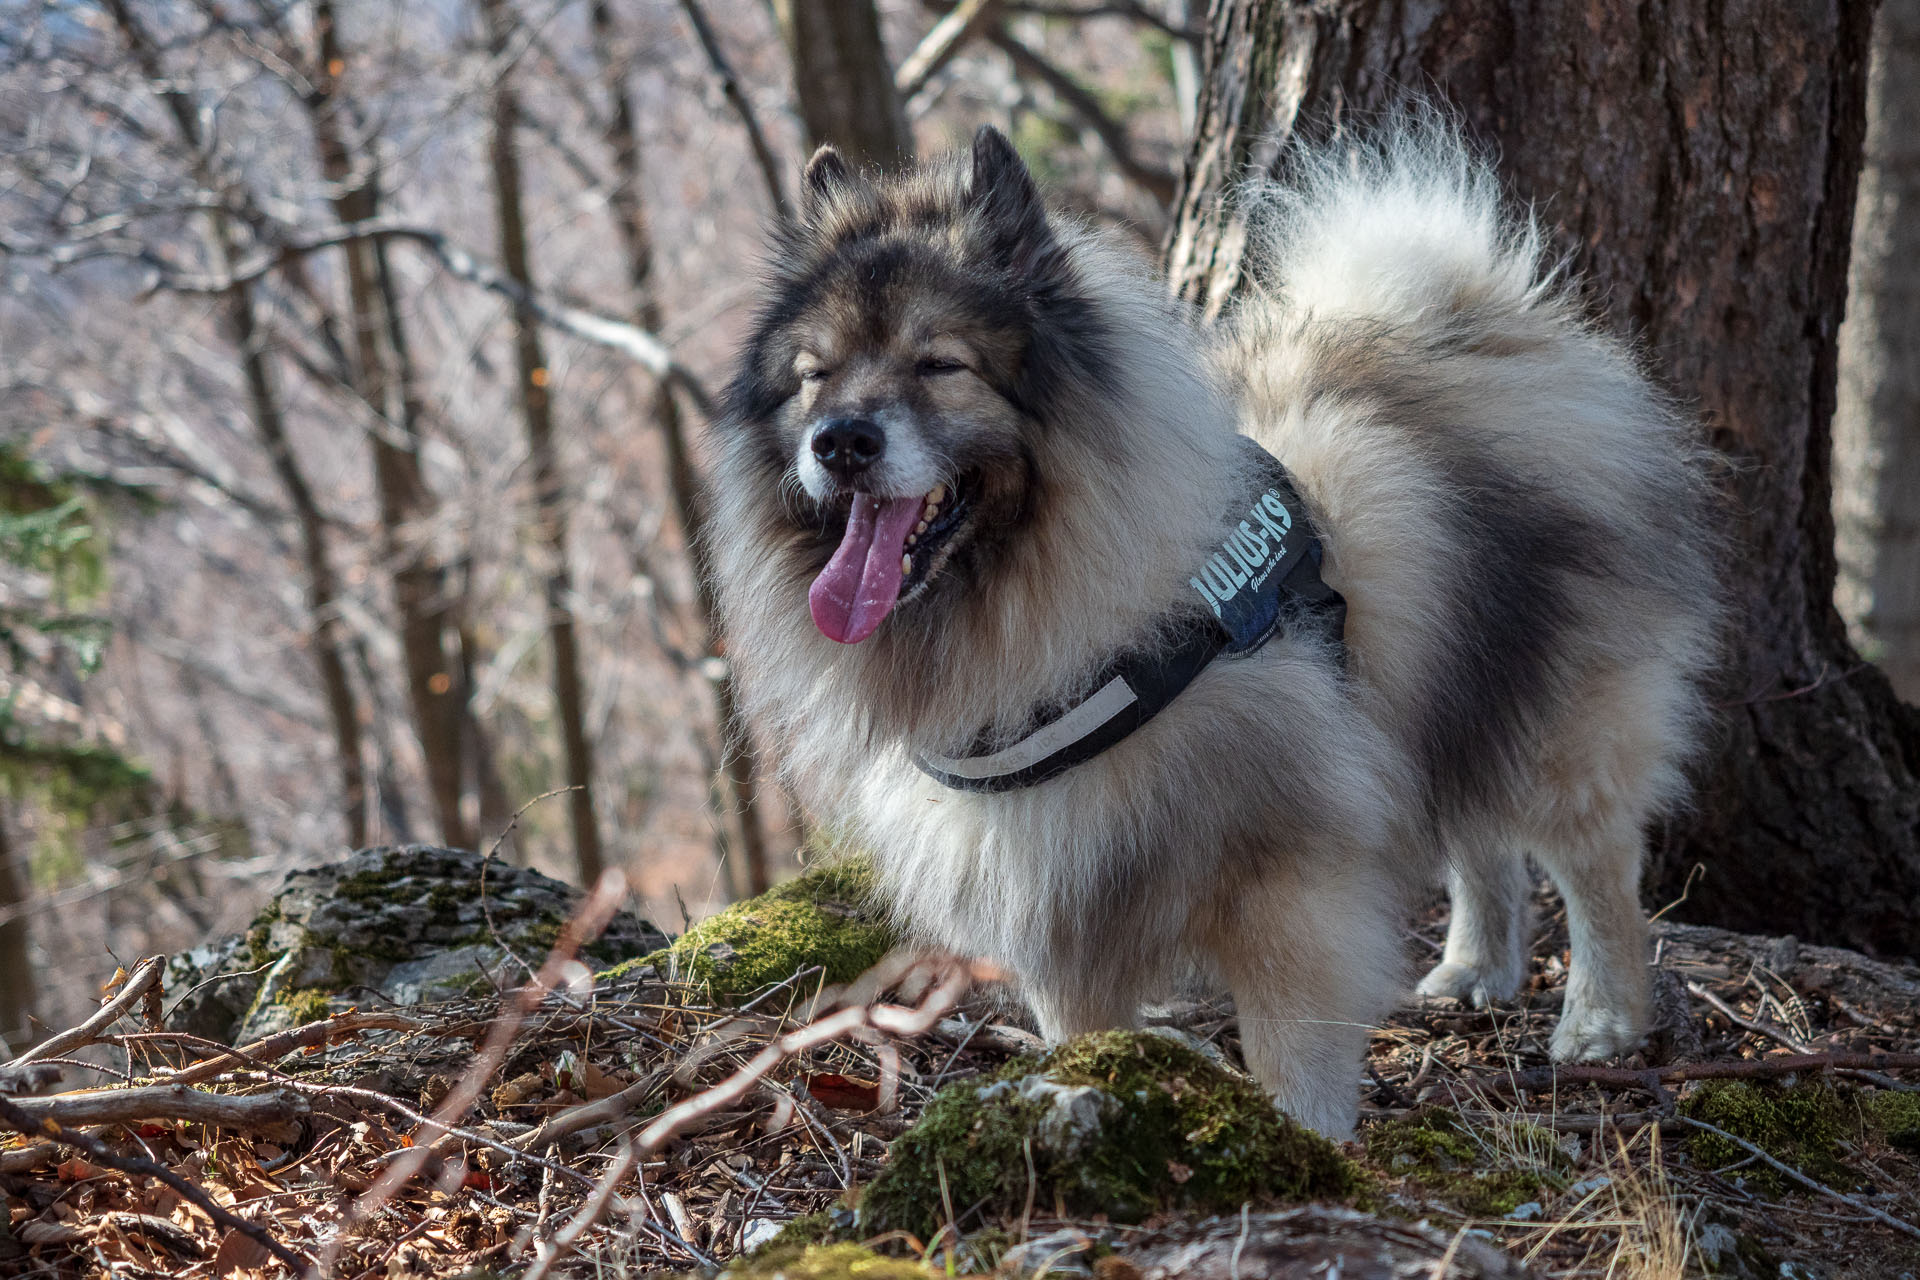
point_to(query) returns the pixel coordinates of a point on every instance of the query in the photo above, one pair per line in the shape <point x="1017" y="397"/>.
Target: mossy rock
<point x="1801" y="1125"/>
<point x="1482" y="1173"/>
<point x="826" y="1262"/>
<point x="1119" y="1123"/>
<point x="828" y="917"/>
<point x="410" y="923"/>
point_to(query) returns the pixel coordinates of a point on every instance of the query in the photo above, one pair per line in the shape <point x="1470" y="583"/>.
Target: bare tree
<point x="844" y="81"/>
<point x="549" y="489"/>
<point x="382" y="376"/>
<point x="1876" y="426"/>
<point x="1719" y="237"/>
<point x="683" y="482"/>
<point x="326" y="635"/>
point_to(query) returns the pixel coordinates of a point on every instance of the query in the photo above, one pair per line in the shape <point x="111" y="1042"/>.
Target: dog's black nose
<point x="848" y="446"/>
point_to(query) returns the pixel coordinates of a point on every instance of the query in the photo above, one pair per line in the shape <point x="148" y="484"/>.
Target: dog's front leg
<point x="1314" y="962"/>
<point x="1066" y="1005"/>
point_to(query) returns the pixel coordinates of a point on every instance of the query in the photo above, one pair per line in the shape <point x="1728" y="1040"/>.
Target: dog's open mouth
<point x="889" y="548"/>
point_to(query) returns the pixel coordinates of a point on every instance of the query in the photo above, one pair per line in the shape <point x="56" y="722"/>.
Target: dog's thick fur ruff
<point x="1514" y="515"/>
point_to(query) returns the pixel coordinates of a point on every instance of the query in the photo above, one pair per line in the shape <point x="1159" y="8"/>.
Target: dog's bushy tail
<point x="1402" y="226"/>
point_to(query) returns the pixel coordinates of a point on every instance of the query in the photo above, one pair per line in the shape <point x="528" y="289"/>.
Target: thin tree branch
<point x="730" y="86"/>
<point x="946" y="37"/>
<point x="144" y="980"/>
<point x="1132" y="10"/>
<point x="637" y="344"/>
<point x="1155" y="181"/>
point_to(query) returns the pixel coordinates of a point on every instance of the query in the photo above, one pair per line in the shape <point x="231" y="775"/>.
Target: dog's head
<point x="891" y="405"/>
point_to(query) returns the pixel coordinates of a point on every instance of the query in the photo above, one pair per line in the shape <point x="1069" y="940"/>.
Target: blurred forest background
<point x="311" y="539"/>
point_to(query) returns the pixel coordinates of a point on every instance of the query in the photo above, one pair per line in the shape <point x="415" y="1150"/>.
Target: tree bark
<point x="1698" y="159"/>
<point x="683" y="482"/>
<point x="1876" y="427"/>
<point x="844" y="82"/>
<point x="382" y="379"/>
<point x="326" y="636"/>
<point x="16" y="966"/>
<point x="549" y="492"/>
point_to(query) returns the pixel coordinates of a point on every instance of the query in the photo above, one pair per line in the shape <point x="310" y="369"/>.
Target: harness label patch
<point x="1242" y="581"/>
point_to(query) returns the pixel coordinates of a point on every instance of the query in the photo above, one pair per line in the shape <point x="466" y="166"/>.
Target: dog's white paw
<point x="1589" y="1034"/>
<point x="1450" y="980"/>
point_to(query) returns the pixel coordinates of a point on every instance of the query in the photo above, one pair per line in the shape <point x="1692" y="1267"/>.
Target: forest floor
<point x="1632" y="1170"/>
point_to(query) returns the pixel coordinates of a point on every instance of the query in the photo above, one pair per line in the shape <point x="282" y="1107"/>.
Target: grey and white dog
<point x="972" y="451"/>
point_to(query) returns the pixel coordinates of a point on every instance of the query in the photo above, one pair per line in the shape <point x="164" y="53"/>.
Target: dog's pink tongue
<point x="862" y="581"/>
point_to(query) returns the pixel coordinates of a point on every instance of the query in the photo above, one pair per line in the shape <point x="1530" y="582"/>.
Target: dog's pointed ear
<point x="1003" y="193"/>
<point x="826" y="173"/>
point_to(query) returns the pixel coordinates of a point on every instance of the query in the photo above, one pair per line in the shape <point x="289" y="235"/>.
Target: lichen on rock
<point x="1118" y="1123"/>
<point x="414" y="923"/>
<point x="828" y="917"/>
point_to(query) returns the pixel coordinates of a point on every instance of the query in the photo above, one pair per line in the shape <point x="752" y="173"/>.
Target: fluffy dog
<point x="972" y="453"/>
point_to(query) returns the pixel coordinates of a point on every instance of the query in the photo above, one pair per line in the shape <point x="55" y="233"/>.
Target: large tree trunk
<point x="683" y="483"/>
<point x="843" y="80"/>
<point x="1876" y="428"/>
<point x="549" y="491"/>
<point x="1699" y="161"/>
<point x="381" y="378"/>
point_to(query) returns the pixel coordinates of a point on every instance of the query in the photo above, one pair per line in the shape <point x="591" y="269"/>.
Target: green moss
<point x="826" y="917"/>
<point x="372" y="885"/>
<point x="1158" y="1126"/>
<point x="1484" y="1173"/>
<point x="827" y="1262"/>
<point x="257" y="941"/>
<point x="1801" y="1125"/>
<point x="306" y="1004"/>
<point x="1895" y="1117"/>
<point x="797" y="1234"/>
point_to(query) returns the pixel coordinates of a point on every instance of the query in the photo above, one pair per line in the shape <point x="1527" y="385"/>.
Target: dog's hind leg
<point x="1485" y="960"/>
<point x="1314" y="964"/>
<point x="1598" y="875"/>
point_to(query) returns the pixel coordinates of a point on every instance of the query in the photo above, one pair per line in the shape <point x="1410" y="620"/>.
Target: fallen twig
<point x="144" y="979"/>
<point x="563" y="1240"/>
<point x="1543" y="1079"/>
<point x="273" y="1114"/>
<point x="12" y="1115"/>
<point x="1740" y="1020"/>
<point x="268" y="1048"/>
<point x="988" y="1035"/>
<point x="1898" y="1224"/>
<point x="893" y="1019"/>
<point x="586" y="1115"/>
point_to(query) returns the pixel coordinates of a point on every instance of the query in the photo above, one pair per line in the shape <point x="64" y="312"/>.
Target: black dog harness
<point x="1266" y="572"/>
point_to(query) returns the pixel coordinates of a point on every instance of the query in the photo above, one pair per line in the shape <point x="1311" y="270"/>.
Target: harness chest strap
<point x="1267" y="570"/>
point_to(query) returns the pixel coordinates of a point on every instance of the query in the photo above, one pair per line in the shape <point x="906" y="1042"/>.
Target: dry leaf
<point x="238" y="1252"/>
<point x="843" y="1093"/>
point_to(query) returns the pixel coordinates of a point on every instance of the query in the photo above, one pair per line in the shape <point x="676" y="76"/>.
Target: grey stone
<point x="387" y="926"/>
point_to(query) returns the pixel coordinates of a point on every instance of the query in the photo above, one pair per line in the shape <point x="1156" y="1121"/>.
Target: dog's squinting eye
<point x="931" y="365"/>
<point x="815" y="374"/>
